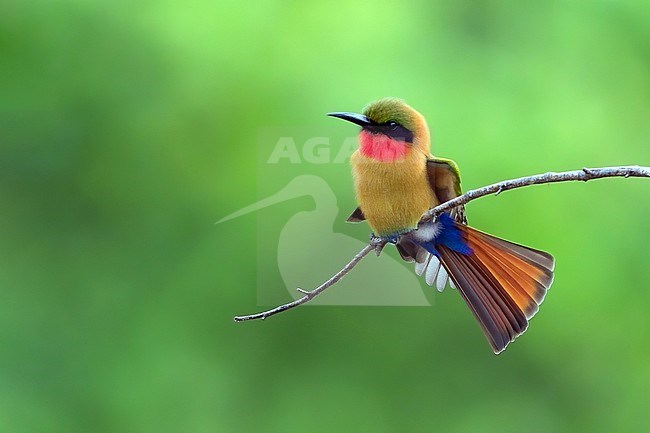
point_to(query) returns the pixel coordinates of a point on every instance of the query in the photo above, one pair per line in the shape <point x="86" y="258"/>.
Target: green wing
<point x="444" y="178"/>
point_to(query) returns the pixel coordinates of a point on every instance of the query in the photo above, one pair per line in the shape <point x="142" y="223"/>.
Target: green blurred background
<point x="128" y="128"/>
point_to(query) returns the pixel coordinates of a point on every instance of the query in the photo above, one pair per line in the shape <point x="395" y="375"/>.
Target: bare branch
<point x="377" y="244"/>
<point x="551" y="177"/>
<point x="311" y="294"/>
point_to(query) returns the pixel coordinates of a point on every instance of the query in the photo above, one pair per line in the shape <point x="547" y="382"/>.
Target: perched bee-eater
<point x="397" y="179"/>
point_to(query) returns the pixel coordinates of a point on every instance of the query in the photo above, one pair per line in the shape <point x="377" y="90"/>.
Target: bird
<point x="397" y="179"/>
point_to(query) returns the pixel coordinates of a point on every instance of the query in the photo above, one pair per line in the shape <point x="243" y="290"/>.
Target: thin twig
<point x="313" y="293"/>
<point x="496" y="188"/>
<point x="551" y="177"/>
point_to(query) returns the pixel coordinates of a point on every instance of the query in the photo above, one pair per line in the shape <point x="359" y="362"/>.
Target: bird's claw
<point x="378" y="243"/>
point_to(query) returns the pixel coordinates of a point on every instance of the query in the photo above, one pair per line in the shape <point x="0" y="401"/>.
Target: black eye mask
<point x="392" y="129"/>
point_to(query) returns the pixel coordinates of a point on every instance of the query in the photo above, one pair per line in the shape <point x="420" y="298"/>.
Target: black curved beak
<point x="359" y="119"/>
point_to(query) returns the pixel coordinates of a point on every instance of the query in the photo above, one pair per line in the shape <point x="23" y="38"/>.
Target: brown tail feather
<point x="503" y="283"/>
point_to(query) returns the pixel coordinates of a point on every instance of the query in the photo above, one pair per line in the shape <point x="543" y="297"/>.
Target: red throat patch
<point x="381" y="147"/>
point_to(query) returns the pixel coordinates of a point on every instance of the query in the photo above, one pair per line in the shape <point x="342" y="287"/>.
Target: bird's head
<point x="390" y="129"/>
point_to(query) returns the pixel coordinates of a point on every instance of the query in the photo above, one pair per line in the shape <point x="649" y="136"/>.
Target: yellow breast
<point x="392" y="196"/>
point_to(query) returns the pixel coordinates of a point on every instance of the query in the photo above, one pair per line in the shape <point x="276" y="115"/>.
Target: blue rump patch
<point x="449" y="237"/>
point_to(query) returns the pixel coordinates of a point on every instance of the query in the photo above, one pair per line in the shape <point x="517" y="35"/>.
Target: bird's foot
<point x="378" y="243"/>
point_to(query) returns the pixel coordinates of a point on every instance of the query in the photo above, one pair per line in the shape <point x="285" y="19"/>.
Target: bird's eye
<point x="392" y="124"/>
